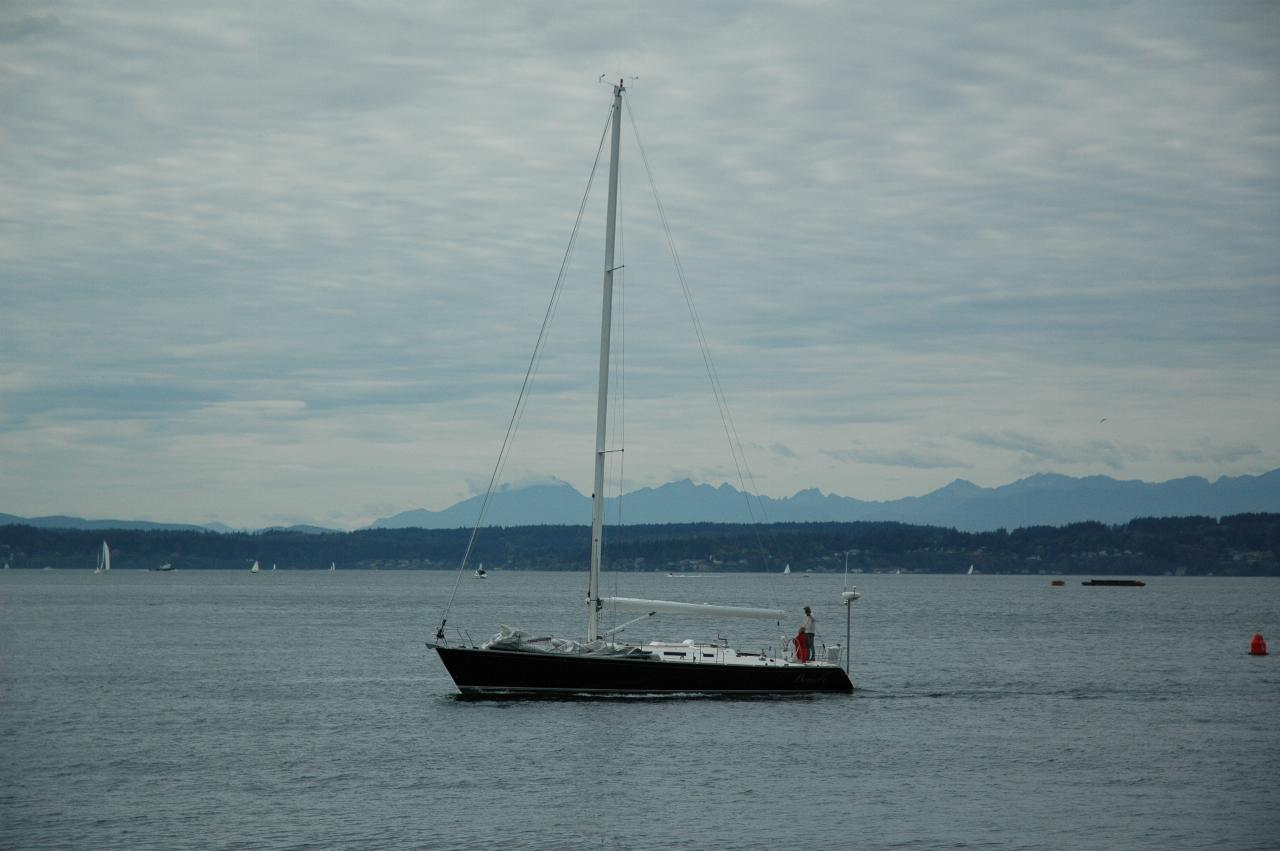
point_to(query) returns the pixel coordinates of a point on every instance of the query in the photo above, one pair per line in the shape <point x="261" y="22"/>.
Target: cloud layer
<point x="261" y="263"/>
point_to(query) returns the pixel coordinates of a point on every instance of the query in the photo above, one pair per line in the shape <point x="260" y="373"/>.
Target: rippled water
<point x="301" y="710"/>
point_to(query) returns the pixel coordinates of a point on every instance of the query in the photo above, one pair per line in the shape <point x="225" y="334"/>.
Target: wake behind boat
<point x="516" y="663"/>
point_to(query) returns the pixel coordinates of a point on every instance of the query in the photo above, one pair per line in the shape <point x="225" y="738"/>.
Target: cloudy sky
<point x="286" y="262"/>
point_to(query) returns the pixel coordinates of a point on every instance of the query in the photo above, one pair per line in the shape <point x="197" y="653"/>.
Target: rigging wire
<point x="535" y="360"/>
<point x="722" y="403"/>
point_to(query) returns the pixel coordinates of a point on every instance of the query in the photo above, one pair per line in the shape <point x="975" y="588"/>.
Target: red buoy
<point x="1258" y="647"/>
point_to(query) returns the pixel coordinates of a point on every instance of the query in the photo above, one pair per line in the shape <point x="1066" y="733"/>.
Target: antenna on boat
<point x="847" y="596"/>
<point x="622" y="81"/>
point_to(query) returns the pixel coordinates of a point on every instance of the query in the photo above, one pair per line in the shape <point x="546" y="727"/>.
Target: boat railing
<point x="460" y="638"/>
<point x="822" y="652"/>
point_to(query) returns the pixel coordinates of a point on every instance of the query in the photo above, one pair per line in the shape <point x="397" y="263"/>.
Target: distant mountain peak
<point x="553" y="485"/>
<point x="1042" y="480"/>
<point x="959" y="487"/>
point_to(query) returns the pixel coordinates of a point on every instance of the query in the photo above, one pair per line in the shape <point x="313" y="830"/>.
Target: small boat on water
<point x="1114" y="583"/>
<point x="256" y="568"/>
<point x="480" y="574"/>
<point x="164" y="568"/>
<point x="104" y="560"/>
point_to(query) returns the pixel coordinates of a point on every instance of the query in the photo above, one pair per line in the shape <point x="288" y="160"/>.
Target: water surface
<point x="301" y="710"/>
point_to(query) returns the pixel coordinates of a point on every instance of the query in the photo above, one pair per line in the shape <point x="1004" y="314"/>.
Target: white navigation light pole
<point x="847" y="598"/>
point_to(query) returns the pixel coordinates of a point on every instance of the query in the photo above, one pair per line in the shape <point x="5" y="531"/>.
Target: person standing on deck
<point x="809" y="629"/>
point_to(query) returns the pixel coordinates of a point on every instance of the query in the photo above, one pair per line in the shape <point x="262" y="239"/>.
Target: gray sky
<point x="286" y="262"/>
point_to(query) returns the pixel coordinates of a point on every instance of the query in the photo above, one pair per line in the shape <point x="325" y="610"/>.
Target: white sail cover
<point x="670" y="607"/>
<point x="518" y="640"/>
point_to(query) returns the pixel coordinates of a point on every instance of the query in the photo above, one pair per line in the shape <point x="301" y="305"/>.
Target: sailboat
<point x="515" y="663"/>
<point x="970" y="573"/>
<point x="104" y="559"/>
<point x="255" y="568"/>
<point x="333" y="566"/>
<point x="786" y="571"/>
<point x="480" y="574"/>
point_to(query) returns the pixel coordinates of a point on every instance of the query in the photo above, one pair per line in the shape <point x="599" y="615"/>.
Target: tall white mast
<point x="602" y="396"/>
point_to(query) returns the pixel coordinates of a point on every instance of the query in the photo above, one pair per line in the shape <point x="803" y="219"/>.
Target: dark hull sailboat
<point x="496" y="673"/>
<point x="513" y="664"/>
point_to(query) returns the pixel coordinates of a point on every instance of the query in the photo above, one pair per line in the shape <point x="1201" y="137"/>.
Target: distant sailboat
<point x="255" y="568"/>
<point x="104" y="560"/>
<point x="971" y="571"/>
<point x="480" y="574"/>
<point x="273" y="567"/>
<point x="332" y="566"/>
<point x="164" y="568"/>
<point x="786" y="570"/>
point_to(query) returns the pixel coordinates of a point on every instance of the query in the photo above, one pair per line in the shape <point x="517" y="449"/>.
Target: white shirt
<point x="808" y="623"/>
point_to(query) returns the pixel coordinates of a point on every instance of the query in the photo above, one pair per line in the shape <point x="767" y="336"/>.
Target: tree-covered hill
<point x="1239" y="545"/>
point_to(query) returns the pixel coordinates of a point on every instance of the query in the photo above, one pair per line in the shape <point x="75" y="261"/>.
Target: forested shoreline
<point x="1239" y="545"/>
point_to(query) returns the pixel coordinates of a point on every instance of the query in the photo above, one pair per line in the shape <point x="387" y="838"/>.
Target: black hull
<point x="495" y="673"/>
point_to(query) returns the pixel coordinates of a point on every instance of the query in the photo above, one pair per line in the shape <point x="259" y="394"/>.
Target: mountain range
<point x="62" y="521"/>
<point x="1044" y="499"/>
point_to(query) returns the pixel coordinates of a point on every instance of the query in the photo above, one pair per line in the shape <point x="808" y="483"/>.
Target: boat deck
<point x="716" y="654"/>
